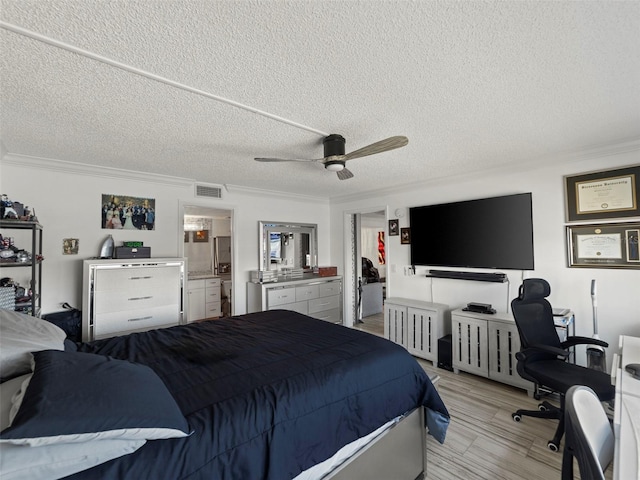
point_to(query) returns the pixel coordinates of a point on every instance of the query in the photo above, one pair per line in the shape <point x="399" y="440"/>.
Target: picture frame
<point x="607" y="194"/>
<point x="128" y="212"/>
<point x="70" y="246"/>
<point x="187" y="234"/>
<point x="201" y="236"/>
<point x="394" y="231"/>
<point x="606" y="245"/>
<point x="405" y="236"/>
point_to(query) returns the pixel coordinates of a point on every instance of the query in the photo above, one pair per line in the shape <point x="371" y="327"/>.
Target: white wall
<point x="67" y="199"/>
<point x="618" y="289"/>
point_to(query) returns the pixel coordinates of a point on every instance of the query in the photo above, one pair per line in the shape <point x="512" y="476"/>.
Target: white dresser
<point x="318" y="297"/>
<point x="124" y="296"/>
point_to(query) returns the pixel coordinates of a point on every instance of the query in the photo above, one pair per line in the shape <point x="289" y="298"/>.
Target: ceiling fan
<point x="335" y="159"/>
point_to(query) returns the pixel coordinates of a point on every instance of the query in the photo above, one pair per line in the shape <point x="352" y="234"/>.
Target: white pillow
<point x="22" y="334"/>
<point x="58" y="461"/>
<point x="9" y="401"/>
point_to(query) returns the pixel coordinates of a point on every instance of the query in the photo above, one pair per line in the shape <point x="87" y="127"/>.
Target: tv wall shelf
<point x="495" y="277"/>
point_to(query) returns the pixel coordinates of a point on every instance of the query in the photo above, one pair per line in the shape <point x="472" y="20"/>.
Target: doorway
<point x="365" y="267"/>
<point x="208" y="247"/>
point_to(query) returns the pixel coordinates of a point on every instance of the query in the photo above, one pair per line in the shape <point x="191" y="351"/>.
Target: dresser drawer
<point x="280" y="296"/>
<point x="212" y="283"/>
<point x="212" y="295"/>
<point x="135" y="278"/>
<point x="212" y="309"/>
<point x="330" y="288"/>
<point x="324" y="303"/>
<point x="109" y="324"/>
<point x="300" y="307"/>
<point x="307" y="292"/>
<point x="332" y="316"/>
<point x="119" y="301"/>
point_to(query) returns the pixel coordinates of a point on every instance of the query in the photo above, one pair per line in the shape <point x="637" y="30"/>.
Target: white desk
<point x="626" y="418"/>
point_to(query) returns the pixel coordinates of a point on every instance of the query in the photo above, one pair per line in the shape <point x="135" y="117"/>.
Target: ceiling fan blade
<point x="259" y="159"/>
<point x="345" y="174"/>
<point x="378" y="147"/>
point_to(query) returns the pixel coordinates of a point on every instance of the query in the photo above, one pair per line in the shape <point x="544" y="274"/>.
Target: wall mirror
<point x="288" y="245"/>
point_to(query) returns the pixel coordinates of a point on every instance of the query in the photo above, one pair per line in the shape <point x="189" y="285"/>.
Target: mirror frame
<point x="266" y="228"/>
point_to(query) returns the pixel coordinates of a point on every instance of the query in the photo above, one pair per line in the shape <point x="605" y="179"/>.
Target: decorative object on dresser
<point x="123" y="296"/>
<point x="416" y="325"/>
<point x="317" y="297"/>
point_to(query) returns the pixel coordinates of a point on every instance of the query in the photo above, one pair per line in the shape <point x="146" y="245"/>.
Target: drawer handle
<point x="140" y="278"/>
<point x="140" y="298"/>
<point x="323" y="304"/>
<point x="140" y="318"/>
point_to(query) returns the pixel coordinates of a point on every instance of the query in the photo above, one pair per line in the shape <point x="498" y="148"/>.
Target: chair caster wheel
<point x="552" y="446"/>
<point x="542" y="407"/>
<point x="516" y="417"/>
<point x="537" y="396"/>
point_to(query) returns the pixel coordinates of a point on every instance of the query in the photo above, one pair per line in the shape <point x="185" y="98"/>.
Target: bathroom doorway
<point x="208" y="247"/>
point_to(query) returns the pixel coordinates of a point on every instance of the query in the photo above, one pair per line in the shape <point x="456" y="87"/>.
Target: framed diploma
<point x="603" y="195"/>
<point x="609" y="245"/>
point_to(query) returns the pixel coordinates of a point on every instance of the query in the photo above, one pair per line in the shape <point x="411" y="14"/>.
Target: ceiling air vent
<point x="209" y="191"/>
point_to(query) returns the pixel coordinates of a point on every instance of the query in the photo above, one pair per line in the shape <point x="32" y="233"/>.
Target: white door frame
<point x="353" y="259"/>
<point x="234" y="261"/>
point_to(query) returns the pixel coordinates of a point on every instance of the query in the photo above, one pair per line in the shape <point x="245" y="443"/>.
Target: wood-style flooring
<point x="483" y="441"/>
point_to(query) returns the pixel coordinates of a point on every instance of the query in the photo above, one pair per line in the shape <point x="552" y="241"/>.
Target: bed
<point x="268" y="395"/>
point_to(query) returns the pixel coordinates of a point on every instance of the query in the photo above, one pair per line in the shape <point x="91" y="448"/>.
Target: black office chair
<point x="589" y="438"/>
<point x="542" y="358"/>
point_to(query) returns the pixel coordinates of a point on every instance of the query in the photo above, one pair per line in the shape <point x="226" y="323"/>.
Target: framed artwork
<point x="381" y="254"/>
<point x="607" y="245"/>
<point x="405" y="236"/>
<point x="603" y="195"/>
<point x="70" y="246"/>
<point x="393" y="227"/>
<point x="126" y="212"/>
<point x="201" y="236"/>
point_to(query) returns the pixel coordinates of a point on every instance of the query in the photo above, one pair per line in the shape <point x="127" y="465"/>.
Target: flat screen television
<point x="491" y="233"/>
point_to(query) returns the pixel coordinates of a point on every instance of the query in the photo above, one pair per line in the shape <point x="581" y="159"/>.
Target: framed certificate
<point x="608" y="245"/>
<point x="603" y="195"/>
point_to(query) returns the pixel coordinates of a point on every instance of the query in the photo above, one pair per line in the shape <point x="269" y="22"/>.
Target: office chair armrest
<point x="572" y="341"/>
<point x="536" y="349"/>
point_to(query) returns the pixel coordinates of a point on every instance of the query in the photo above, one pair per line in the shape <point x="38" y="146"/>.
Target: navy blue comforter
<point x="267" y="395"/>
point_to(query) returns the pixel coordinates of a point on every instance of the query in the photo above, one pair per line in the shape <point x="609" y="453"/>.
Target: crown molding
<point x="260" y="192"/>
<point x="603" y="150"/>
<point x="92" y="170"/>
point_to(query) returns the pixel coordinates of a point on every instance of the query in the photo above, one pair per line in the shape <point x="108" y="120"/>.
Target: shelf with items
<point x="33" y="303"/>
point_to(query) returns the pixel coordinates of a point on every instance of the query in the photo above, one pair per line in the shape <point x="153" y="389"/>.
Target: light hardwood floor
<point x="483" y="441"/>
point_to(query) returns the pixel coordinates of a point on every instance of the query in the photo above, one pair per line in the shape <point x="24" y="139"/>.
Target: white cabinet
<point x="318" y="297"/>
<point x="416" y="325"/>
<point x="124" y="296"/>
<point x="204" y="299"/>
<point x="486" y="345"/>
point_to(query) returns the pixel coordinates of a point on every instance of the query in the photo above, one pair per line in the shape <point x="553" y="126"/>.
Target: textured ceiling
<point x="473" y="85"/>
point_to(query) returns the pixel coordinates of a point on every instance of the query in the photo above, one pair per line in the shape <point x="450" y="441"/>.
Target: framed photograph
<point x="405" y="236"/>
<point x="70" y="246"/>
<point x="126" y="212"/>
<point x="603" y="195"/>
<point x="201" y="236"/>
<point x="607" y="245"/>
<point x="394" y="230"/>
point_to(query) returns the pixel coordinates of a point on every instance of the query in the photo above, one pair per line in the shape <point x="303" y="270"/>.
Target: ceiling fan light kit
<point x="335" y="159"/>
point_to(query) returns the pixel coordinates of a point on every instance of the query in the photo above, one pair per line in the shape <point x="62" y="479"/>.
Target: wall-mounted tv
<point x="492" y="232"/>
